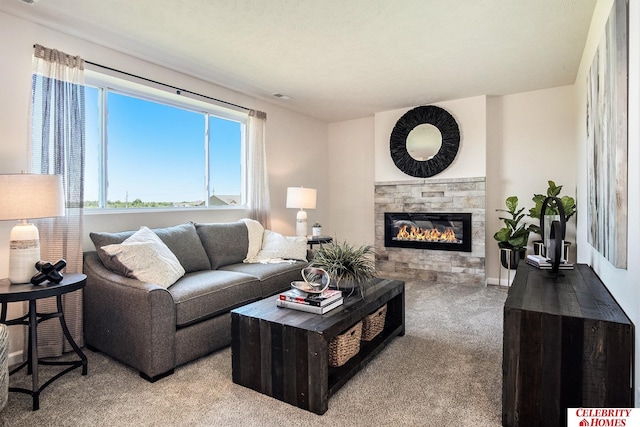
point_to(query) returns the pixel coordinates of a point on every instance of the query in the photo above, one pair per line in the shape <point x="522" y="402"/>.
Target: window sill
<point x="112" y="211"/>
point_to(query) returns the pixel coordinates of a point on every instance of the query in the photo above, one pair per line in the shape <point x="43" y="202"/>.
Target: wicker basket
<point x="373" y="324"/>
<point x="345" y="346"/>
<point x="4" y="368"/>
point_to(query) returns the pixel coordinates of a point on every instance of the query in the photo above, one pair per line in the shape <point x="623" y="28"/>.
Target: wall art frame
<point x="607" y="140"/>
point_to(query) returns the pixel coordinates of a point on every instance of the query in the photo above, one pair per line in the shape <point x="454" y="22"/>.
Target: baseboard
<point x="504" y="283"/>
<point x="15" y="358"/>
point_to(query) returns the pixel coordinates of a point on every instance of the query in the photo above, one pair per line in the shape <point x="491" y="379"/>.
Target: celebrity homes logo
<point x="603" y="417"/>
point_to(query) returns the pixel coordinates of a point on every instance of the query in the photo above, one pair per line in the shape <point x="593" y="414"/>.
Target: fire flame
<point x="432" y="235"/>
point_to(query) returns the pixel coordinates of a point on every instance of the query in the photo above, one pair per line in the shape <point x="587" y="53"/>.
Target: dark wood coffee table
<point x="283" y="353"/>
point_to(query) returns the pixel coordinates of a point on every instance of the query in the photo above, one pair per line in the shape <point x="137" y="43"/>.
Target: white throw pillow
<point x="147" y="258"/>
<point x="256" y="230"/>
<point x="277" y="246"/>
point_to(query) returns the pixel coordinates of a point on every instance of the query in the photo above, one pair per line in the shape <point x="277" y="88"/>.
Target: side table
<point x="318" y="240"/>
<point x="32" y="293"/>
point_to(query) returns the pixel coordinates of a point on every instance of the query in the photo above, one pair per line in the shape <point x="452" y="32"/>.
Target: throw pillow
<point x="256" y="230"/>
<point x="277" y="246"/>
<point x="147" y="258"/>
<point x="102" y="239"/>
<point x="184" y="242"/>
<point x="224" y="243"/>
<point x="181" y="239"/>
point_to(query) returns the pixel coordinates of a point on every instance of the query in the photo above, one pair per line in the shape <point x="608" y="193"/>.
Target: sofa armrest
<point x="132" y="321"/>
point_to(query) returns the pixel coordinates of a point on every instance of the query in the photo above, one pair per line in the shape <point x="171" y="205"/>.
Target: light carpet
<point x="445" y="371"/>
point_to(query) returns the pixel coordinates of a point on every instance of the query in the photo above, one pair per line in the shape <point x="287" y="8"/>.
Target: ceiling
<point x="339" y="59"/>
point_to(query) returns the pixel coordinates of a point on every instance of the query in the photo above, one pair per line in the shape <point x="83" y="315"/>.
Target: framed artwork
<point x="607" y="140"/>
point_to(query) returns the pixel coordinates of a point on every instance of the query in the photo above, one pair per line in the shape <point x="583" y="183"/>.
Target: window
<point x="146" y="148"/>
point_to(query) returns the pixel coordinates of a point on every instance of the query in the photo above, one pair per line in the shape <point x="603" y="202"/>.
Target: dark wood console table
<point x="567" y="344"/>
<point x="283" y="353"/>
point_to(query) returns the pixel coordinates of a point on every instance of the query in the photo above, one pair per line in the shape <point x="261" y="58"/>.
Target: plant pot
<point x="348" y="287"/>
<point x="511" y="258"/>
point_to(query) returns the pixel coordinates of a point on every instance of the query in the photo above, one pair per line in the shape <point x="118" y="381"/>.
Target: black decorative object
<point x="447" y="126"/>
<point x="48" y="271"/>
<point x="557" y="233"/>
<point x="512" y="257"/>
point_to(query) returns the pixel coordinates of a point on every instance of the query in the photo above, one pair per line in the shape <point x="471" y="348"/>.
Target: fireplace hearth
<point x="432" y="195"/>
<point x="428" y="230"/>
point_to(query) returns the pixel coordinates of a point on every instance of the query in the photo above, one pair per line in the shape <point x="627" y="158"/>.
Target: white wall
<point x="351" y="150"/>
<point x="297" y="151"/>
<point x="470" y="113"/>
<point x="530" y="141"/>
<point x="623" y="284"/>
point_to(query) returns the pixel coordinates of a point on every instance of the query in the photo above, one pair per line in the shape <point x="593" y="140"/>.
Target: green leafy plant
<point x="514" y="234"/>
<point x="346" y="263"/>
<point x="568" y="203"/>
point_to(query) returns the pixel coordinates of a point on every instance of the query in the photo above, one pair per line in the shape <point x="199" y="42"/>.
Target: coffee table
<point x="283" y="353"/>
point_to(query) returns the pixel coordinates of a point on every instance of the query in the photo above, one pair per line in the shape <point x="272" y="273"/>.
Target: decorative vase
<point x="548" y="220"/>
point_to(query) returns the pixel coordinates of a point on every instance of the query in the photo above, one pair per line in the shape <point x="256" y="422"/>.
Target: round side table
<point x="31" y="293"/>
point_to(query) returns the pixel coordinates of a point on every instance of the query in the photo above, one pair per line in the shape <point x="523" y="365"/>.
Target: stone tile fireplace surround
<point x="432" y="195"/>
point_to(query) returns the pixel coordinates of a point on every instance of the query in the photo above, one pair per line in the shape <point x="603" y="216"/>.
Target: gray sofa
<point x="154" y="329"/>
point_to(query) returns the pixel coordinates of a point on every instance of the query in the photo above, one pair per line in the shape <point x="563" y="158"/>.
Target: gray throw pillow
<point x="225" y="243"/>
<point x="181" y="239"/>
<point x="184" y="242"/>
<point x="101" y="239"/>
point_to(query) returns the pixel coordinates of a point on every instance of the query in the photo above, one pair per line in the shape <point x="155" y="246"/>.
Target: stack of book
<point x="544" y="263"/>
<point x="312" y="303"/>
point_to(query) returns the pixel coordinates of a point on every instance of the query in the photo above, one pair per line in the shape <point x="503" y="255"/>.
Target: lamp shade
<point x="28" y="196"/>
<point x="302" y="198"/>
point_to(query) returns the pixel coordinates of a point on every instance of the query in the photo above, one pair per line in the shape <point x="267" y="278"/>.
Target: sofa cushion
<point x="181" y="239"/>
<point x="147" y="258"/>
<point x="276" y="246"/>
<point x="205" y="294"/>
<point x="224" y="243"/>
<point x="273" y="278"/>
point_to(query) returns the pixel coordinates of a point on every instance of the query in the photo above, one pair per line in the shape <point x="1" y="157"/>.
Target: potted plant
<point x="351" y="267"/>
<point x="514" y="235"/>
<point x="568" y="203"/>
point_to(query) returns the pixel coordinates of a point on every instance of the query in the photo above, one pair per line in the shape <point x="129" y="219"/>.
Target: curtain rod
<point x="177" y="89"/>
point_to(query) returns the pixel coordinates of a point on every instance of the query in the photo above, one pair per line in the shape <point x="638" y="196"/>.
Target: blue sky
<point x="156" y="152"/>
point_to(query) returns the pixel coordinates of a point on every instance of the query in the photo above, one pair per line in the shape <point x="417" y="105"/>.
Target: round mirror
<point x="424" y="142"/>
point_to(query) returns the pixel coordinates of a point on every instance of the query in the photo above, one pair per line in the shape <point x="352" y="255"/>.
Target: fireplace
<point x="439" y="231"/>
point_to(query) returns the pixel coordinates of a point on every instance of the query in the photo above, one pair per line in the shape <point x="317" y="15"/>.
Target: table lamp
<point x="22" y="197"/>
<point x="302" y="198"/>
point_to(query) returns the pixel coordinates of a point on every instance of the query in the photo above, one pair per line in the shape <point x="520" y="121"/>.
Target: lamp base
<point x="24" y="252"/>
<point x="301" y="223"/>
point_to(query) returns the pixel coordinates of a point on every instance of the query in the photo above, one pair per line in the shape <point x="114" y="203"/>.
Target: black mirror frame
<point x="447" y="126"/>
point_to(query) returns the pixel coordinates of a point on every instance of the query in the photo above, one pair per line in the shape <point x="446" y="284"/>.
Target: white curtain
<point x="58" y="147"/>
<point x="257" y="179"/>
